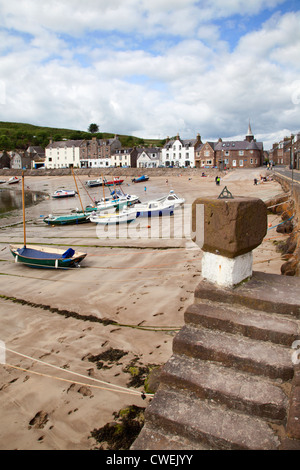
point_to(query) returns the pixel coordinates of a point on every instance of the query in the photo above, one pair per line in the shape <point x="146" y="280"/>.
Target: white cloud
<point x="175" y="73"/>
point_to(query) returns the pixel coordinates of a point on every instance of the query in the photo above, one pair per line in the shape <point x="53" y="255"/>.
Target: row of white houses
<point x="63" y="154"/>
<point x="177" y="152"/>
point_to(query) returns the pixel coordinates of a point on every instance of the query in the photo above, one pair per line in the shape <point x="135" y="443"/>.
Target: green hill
<point x="15" y="135"/>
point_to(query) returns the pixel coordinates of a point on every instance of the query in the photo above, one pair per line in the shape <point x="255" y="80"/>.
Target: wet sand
<point x="129" y="295"/>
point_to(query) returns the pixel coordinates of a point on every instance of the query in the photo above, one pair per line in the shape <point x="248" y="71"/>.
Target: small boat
<point x="154" y="209"/>
<point x="118" y="201"/>
<point x="13" y="180"/>
<point x="93" y="183"/>
<point x="67" y="219"/>
<point x="140" y="179"/>
<point x="172" y="198"/>
<point x="63" y="193"/>
<point x="116" y="181"/>
<point x="100" y="181"/>
<point x="2" y="181"/>
<point x="41" y="257"/>
<point x="124" y="216"/>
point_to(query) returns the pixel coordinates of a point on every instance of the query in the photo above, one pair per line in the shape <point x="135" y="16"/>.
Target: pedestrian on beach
<point x="145" y="189"/>
<point x="218" y="180"/>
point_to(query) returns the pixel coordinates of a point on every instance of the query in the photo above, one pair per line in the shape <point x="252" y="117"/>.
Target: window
<point x="207" y="153"/>
<point x="241" y="153"/>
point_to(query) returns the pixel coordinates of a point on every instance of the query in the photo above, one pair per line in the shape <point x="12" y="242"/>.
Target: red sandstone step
<point x="152" y="438"/>
<point x="181" y="414"/>
<point x="254" y="324"/>
<point x="257" y="357"/>
<point x="264" y="291"/>
<point x="237" y="390"/>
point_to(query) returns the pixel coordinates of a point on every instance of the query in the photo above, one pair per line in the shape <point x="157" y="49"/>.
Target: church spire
<point x="249" y="135"/>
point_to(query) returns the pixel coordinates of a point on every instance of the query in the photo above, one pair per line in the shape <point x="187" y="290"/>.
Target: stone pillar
<point x="227" y="230"/>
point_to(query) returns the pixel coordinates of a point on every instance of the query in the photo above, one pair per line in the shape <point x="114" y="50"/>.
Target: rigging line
<point x="126" y="391"/>
<point x="65" y="370"/>
<point x="102" y="281"/>
<point x="154" y="266"/>
<point x="280" y="204"/>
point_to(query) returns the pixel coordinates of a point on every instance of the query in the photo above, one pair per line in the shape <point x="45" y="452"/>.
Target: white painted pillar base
<point x="226" y="272"/>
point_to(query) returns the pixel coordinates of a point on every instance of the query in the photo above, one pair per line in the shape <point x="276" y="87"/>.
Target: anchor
<point x="225" y="194"/>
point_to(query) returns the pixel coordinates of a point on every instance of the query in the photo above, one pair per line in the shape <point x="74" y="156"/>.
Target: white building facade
<point x="179" y="152"/>
<point x="149" y="158"/>
<point x="63" y="154"/>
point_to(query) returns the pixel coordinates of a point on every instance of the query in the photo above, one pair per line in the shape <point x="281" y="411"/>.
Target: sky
<point x="153" y="68"/>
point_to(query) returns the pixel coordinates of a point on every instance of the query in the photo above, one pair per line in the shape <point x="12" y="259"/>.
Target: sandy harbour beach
<point x="127" y="298"/>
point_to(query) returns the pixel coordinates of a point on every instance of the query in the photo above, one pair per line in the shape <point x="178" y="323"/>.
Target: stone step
<point x="237" y="390"/>
<point x="152" y="438"/>
<point x="257" y="357"/>
<point x="264" y="291"/>
<point x="253" y="324"/>
<point x="183" y="414"/>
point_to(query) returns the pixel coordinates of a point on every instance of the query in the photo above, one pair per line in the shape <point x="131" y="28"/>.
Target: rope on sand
<point x="119" y="388"/>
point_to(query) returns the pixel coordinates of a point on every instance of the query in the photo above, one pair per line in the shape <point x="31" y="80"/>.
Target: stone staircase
<point x="228" y="383"/>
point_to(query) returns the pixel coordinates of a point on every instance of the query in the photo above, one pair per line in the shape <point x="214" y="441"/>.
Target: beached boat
<point x="115" y="181"/>
<point x="154" y="209"/>
<point x="125" y="216"/>
<point x="67" y="219"/>
<point x="13" y="180"/>
<point x="117" y="200"/>
<point x="172" y="198"/>
<point x="41" y="257"/>
<point x="140" y="179"/>
<point x="60" y="193"/>
<point x="2" y="181"/>
<point x="101" y="181"/>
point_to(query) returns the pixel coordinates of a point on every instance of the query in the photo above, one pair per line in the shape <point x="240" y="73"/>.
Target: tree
<point x="93" y="128"/>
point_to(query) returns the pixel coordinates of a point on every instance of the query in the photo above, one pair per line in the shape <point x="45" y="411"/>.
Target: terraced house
<point x="247" y="153"/>
<point x="179" y="152"/>
<point x="94" y="153"/>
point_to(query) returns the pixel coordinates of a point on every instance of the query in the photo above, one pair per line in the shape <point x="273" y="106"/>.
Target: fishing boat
<point x="154" y="209"/>
<point x="125" y="216"/>
<point x="60" y="193"/>
<point x="67" y="219"/>
<point x="103" y="181"/>
<point x="13" y="180"/>
<point x="172" y="198"/>
<point x="140" y="179"/>
<point x="43" y="257"/>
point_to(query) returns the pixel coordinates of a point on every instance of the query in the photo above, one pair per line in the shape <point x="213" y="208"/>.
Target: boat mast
<point x="103" y="184"/>
<point x="77" y="189"/>
<point x="23" y="205"/>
